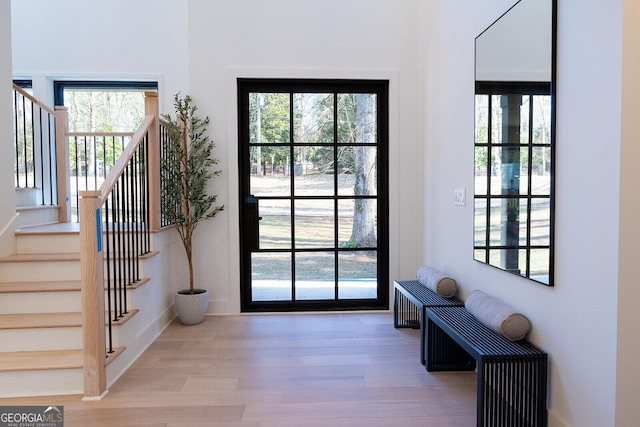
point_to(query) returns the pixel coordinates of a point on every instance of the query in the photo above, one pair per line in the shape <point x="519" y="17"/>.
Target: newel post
<point x="151" y="109"/>
<point x="93" y="311"/>
<point x="63" y="169"/>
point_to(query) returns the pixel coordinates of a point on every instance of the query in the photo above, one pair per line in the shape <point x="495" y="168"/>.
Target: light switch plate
<point x="459" y="196"/>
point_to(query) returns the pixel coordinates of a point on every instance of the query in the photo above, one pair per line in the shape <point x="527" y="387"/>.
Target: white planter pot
<point x="191" y="309"/>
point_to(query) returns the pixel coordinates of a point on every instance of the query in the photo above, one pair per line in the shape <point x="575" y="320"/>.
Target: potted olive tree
<point x="187" y="167"/>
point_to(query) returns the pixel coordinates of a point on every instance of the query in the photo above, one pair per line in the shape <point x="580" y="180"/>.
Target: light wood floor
<point x="299" y="370"/>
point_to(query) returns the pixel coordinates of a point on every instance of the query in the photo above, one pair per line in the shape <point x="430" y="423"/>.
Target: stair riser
<point x="50" y="243"/>
<point x="41" y="383"/>
<point x="47" y="271"/>
<point x="27" y="196"/>
<point x="69" y="338"/>
<point x="41" y="302"/>
<point x="38" y="215"/>
<point x="39" y="271"/>
<point x="47" y="243"/>
<point x="48" y="302"/>
<point x="37" y="339"/>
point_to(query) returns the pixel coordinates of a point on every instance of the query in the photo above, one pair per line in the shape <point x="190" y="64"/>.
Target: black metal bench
<point x="411" y="298"/>
<point x="512" y="376"/>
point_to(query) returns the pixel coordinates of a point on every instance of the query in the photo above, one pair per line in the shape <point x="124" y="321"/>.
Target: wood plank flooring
<point x="284" y="370"/>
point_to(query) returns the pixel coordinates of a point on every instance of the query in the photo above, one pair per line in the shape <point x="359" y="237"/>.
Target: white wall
<point x="115" y="39"/>
<point x="575" y="321"/>
<point x="229" y="39"/>
<point x="7" y="187"/>
<point x="292" y="38"/>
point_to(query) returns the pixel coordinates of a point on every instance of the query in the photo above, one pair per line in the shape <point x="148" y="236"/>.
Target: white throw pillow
<point x="438" y="282"/>
<point x="497" y="315"/>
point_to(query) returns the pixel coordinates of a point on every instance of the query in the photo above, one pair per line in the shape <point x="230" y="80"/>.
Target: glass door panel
<point x="357" y="171"/>
<point x="357" y="117"/>
<point x="315" y="276"/>
<point x="275" y="224"/>
<point x="271" y="276"/>
<point x="269" y="171"/>
<point x="357" y="277"/>
<point x="269" y="117"/>
<point x="313" y="171"/>
<point x="357" y="223"/>
<point x="314" y="224"/>
<point x="313" y="117"/>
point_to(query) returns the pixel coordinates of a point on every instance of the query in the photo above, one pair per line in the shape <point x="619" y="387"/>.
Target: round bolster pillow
<point x="498" y="316"/>
<point x="438" y="282"/>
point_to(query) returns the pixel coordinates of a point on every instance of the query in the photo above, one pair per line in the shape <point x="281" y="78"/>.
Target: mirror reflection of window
<point x="514" y="150"/>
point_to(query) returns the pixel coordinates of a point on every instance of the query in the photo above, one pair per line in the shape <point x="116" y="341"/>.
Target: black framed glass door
<point x="313" y="194"/>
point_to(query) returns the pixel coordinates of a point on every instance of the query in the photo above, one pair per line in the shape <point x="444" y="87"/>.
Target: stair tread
<point x="68" y="228"/>
<point x="40" y="320"/>
<point x="54" y="228"/>
<point x="51" y="320"/>
<point x="60" y="286"/>
<point x="56" y="257"/>
<point x="22" y="208"/>
<point x="40" y="360"/>
<point x="132" y="312"/>
<point x="47" y="360"/>
<point x="38" y="257"/>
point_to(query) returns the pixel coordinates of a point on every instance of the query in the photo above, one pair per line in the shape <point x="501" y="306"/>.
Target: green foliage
<point x="186" y="172"/>
<point x="481" y="158"/>
<point x="100" y="111"/>
<point x="312" y="122"/>
<point x="349" y="244"/>
<point x="104" y="110"/>
<point x="273" y="109"/>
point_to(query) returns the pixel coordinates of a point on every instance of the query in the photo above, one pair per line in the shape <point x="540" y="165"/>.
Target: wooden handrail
<point x="32" y="99"/>
<point x="124" y="158"/>
<point x="99" y="134"/>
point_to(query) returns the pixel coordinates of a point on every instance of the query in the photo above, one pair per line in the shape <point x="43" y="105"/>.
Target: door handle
<point x="252" y="223"/>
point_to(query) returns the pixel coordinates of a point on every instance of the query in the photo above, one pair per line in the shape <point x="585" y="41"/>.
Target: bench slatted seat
<point x="411" y="298"/>
<point x="512" y="376"/>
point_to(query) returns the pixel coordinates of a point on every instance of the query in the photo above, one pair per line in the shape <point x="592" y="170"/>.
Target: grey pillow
<point x="498" y="316"/>
<point x="436" y="281"/>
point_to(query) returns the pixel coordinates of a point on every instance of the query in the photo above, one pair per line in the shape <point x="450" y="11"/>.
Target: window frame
<point x="269" y="85"/>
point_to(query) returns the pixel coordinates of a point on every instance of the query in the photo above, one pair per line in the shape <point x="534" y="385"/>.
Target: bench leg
<point x="405" y="313"/>
<point x="512" y="393"/>
<point x="442" y="353"/>
<point x="423" y="337"/>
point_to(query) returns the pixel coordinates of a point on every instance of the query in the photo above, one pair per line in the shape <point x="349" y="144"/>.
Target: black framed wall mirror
<point x="515" y="141"/>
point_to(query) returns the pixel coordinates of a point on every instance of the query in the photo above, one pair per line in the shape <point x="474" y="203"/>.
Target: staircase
<point x="41" y="315"/>
<point x="31" y="210"/>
